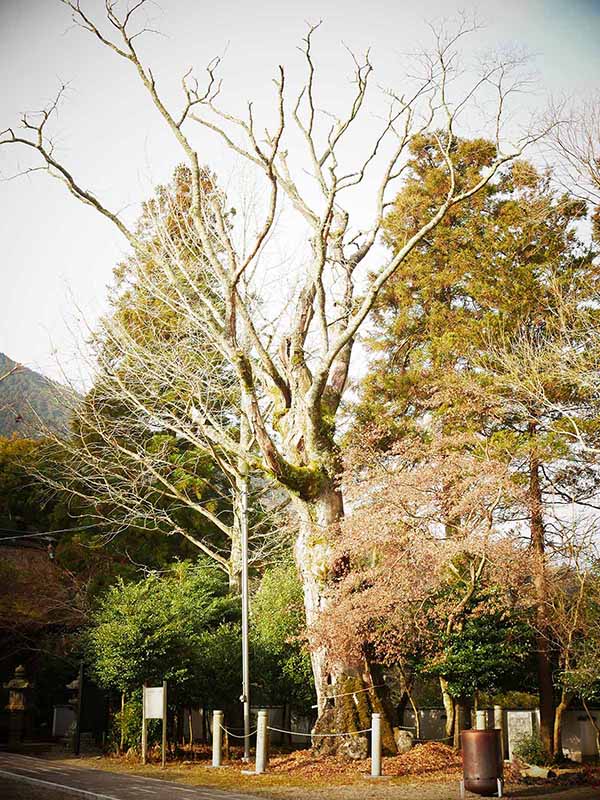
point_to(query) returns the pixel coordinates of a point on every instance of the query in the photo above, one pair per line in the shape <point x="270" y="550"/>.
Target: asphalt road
<point x="27" y="778"/>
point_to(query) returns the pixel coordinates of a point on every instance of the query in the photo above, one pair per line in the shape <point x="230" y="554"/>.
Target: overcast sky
<point x="56" y="255"/>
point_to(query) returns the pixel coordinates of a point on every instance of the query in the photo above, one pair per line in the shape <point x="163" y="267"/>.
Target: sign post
<point x="154" y="706"/>
<point x="77" y="737"/>
<point x="144" y="726"/>
<point x="164" y="725"/>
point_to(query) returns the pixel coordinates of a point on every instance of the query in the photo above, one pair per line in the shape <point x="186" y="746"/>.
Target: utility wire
<point x="43" y="533"/>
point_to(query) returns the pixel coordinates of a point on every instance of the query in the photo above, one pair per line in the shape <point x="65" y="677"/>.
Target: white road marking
<point x="62" y="786"/>
<point x="13" y="759"/>
<point x="201" y="792"/>
<point x="25" y="769"/>
<point x="53" y="770"/>
<point x="37" y="769"/>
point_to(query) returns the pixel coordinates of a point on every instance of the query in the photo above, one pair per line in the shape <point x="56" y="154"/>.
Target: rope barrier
<point x="318" y="735"/>
<point x="356" y="691"/>
<point x="424" y="741"/>
<point x="237" y="735"/>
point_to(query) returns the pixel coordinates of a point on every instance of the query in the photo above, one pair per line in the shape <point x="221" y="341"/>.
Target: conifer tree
<point x="494" y="271"/>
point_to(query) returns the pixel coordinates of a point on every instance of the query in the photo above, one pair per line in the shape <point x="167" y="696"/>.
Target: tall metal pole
<point x="245" y="614"/>
<point x="77" y="737"/>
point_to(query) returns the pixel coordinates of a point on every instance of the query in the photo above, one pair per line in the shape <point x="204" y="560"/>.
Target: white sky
<point x="55" y="253"/>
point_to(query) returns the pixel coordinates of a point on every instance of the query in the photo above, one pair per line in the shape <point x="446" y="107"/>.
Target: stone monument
<point x="19" y="706"/>
<point x="520" y="726"/>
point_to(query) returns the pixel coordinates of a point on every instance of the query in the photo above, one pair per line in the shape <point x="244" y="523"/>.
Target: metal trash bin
<point x="483" y="765"/>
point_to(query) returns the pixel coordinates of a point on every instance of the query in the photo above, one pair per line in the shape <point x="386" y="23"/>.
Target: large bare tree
<point x="135" y="456"/>
<point x="576" y="141"/>
<point x="292" y="371"/>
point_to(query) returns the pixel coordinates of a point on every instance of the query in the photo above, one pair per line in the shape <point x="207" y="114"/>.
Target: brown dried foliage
<point x="422" y="548"/>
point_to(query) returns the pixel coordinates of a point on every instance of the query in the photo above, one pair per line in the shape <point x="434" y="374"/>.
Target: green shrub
<point x="126" y="728"/>
<point x="531" y="750"/>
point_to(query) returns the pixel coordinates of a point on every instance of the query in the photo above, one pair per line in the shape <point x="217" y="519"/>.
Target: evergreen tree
<point x="494" y="271"/>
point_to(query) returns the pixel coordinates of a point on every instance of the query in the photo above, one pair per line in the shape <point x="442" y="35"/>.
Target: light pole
<point x="245" y="614"/>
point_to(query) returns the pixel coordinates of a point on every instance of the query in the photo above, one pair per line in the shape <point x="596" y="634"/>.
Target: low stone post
<point x="376" y="745"/>
<point x="217" y="738"/>
<point x="262" y="723"/>
<point x="481" y="721"/>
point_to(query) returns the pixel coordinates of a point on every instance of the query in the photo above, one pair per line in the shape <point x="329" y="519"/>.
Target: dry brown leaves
<point x="431" y="760"/>
<point x="425" y="759"/>
<point x="428" y="762"/>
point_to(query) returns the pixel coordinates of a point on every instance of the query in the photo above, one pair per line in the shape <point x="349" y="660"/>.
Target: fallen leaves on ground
<point x="425" y="759"/>
<point x="428" y="761"/>
<point x="301" y="775"/>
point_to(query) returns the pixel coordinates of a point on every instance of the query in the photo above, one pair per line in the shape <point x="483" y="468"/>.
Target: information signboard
<point x="154" y="706"/>
<point x="153" y="702"/>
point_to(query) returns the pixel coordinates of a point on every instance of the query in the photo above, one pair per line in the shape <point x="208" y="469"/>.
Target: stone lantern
<point x="19" y="705"/>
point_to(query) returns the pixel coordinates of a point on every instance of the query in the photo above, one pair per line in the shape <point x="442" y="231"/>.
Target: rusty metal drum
<point x="483" y="765"/>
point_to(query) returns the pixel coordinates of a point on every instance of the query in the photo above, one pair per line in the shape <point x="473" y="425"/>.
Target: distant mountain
<point x="29" y="402"/>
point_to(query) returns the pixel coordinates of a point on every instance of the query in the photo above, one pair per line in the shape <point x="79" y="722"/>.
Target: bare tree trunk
<point x="179" y="730"/>
<point x="543" y="654"/>
<point x="457" y="725"/>
<point x="594" y="722"/>
<point x="286" y="715"/>
<point x="416" y="713"/>
<point x="406" y="698"/>
<point x="449" y="707"/>
<point x="565" y="701"/>
<point x="346" y="695"/>
<point x="401" y="707"/>
<point x="205" y="736"/>
<point x="191" y="729"/>
<point x="122" y="742"/>
<point x="462" y="720"/>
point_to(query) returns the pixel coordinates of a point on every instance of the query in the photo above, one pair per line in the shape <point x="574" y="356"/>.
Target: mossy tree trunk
<point x="346" y="695"/>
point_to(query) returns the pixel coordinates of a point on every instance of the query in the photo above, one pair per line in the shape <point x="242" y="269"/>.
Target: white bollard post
<point x="481" y="720"/>
<point x="217" y="738"/>
<point x="376" y="745"/>
<point x="499" y="724"/>
<point x="261" y="741"/>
